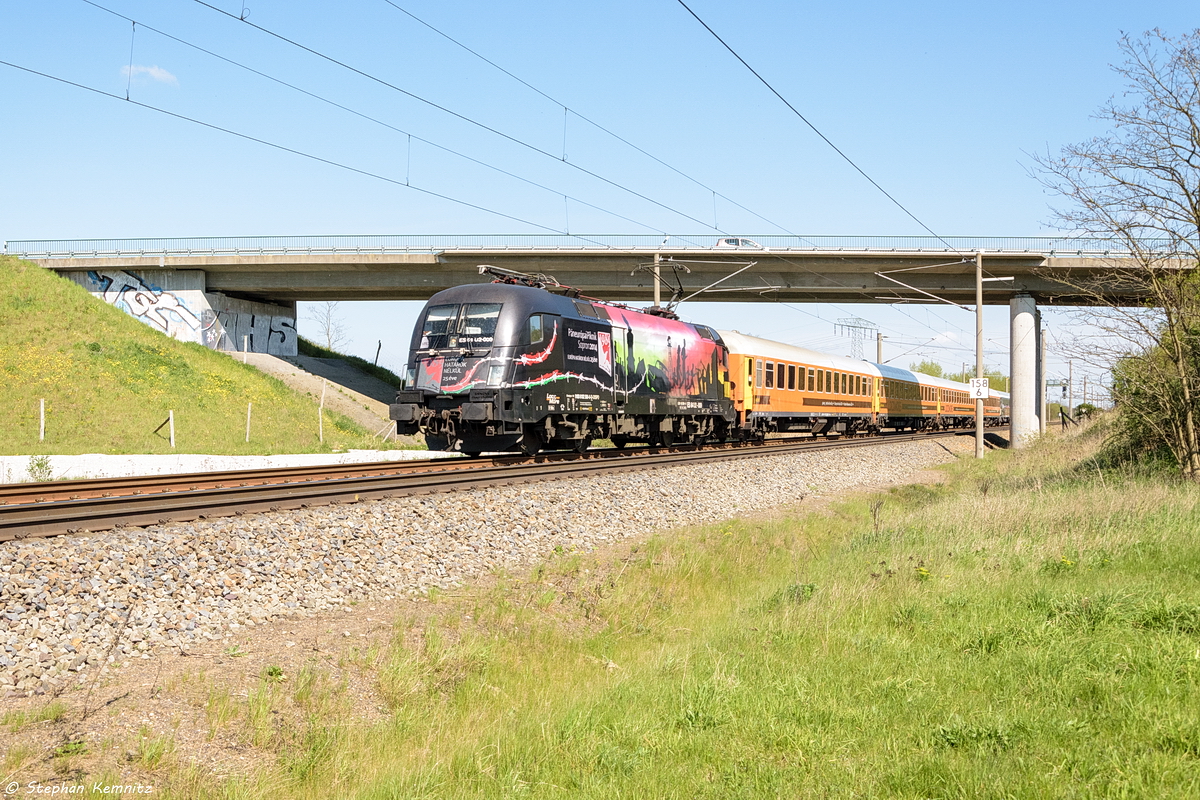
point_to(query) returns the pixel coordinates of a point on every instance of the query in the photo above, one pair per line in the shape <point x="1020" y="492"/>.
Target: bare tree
<point x="331" y="331"/>
<point x="1139" y="186"/>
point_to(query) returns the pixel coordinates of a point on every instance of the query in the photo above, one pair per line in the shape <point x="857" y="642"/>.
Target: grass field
<point x="1030" y="629"/>
<point x="109" y="380"/>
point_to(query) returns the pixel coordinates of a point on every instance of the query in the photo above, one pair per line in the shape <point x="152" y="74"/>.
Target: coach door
<point x="622" y="362"/>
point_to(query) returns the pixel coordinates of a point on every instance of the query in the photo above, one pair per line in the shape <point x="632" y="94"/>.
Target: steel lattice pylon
<point x="857" y="329"/>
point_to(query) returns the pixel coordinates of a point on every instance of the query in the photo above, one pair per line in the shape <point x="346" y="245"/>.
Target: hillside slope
<point x="109" y="381"/>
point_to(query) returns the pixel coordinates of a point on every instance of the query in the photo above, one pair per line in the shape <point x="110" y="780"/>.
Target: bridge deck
<point x="791" y="269"/>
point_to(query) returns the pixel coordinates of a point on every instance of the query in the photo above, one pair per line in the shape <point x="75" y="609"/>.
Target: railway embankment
<point x="72" y="606"/>
<point x="81" y="376"/>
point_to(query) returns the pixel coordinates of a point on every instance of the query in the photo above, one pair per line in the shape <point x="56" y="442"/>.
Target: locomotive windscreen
<point x="451" y="326"/>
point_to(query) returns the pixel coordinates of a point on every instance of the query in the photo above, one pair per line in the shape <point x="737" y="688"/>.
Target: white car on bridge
<point x="734" y="241"/>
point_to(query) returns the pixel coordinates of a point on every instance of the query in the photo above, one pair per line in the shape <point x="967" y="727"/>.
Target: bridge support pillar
<point x="1023" y="354"/>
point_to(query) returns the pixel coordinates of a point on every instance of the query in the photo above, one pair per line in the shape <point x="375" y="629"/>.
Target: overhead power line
<point x="588" y="120"/>
<point x="294" y="151"/>
<point x="455" y="114"/>
<point x="369" y="118"/>
<point x="815" y="130"/>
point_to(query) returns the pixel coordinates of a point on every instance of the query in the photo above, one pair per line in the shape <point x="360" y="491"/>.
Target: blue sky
<point x="941" y="103"/>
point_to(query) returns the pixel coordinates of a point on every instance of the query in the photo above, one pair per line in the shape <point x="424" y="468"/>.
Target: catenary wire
<point x="456" y="115"/>
<point x="369" y="118"/>
<point x="815" y="130"/>
<point x="592" y="122"/>
<point x="294" y="151"/>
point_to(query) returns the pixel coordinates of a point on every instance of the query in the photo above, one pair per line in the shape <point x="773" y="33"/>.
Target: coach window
<point x="791" y="376"/>
<point x="770" y="384"/>
<point x="812" y="381"/>
<point x="758" y="372"/>
<point x="780" y="381"/>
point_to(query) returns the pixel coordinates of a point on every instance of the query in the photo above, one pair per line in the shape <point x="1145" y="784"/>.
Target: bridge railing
<point x="432" y="243"/>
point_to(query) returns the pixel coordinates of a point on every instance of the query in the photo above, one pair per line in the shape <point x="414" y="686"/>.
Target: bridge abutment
<point x="176" y="303"/>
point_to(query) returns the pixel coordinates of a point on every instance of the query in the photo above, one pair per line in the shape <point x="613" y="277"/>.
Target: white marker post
<point x="42" y="421"/>
<point x="321" y="415"/>
<point x="245" y="347"/>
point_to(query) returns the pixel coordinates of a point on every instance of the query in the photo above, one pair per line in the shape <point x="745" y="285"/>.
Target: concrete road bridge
<point x="843" y="269"/>
<point x="235" y="293"/>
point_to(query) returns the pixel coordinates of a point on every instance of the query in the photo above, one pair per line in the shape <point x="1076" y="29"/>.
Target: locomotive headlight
<point x="495" y="375"/>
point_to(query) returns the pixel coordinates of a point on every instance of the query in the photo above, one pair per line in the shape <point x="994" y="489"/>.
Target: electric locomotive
<point x="509" y="366"/>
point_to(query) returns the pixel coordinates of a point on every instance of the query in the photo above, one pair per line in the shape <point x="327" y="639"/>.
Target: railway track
<point x="31" y="510"/>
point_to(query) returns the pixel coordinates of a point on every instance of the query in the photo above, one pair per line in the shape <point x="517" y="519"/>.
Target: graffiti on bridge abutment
<point x="188" y="314"/>
<point x="142" y="300"/>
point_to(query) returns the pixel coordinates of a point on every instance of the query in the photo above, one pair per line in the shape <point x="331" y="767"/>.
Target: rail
<point x="224" y="246"/>
<point x="50" y="509"/>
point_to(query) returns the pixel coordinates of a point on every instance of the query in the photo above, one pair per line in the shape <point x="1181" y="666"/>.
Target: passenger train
<point x="513" y="365"/>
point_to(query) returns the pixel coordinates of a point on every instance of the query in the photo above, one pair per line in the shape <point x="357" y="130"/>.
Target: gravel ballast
<point x="72" y="605"/>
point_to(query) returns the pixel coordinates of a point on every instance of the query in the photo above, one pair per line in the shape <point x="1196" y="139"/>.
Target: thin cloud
<point x="155" y="73"/>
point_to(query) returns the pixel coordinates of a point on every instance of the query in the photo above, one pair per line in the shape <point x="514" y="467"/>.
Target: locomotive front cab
<point x="458" y="390"/>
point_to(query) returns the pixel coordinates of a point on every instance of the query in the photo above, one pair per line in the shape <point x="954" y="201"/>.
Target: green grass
<point x="1031" y="629"/>
<point x="307" y="348"/>
<point x="109" y="381"/>
<point x="54" y="711"/>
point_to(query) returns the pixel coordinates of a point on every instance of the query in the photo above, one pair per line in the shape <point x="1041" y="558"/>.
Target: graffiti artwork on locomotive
<point x="514" y="366"/>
